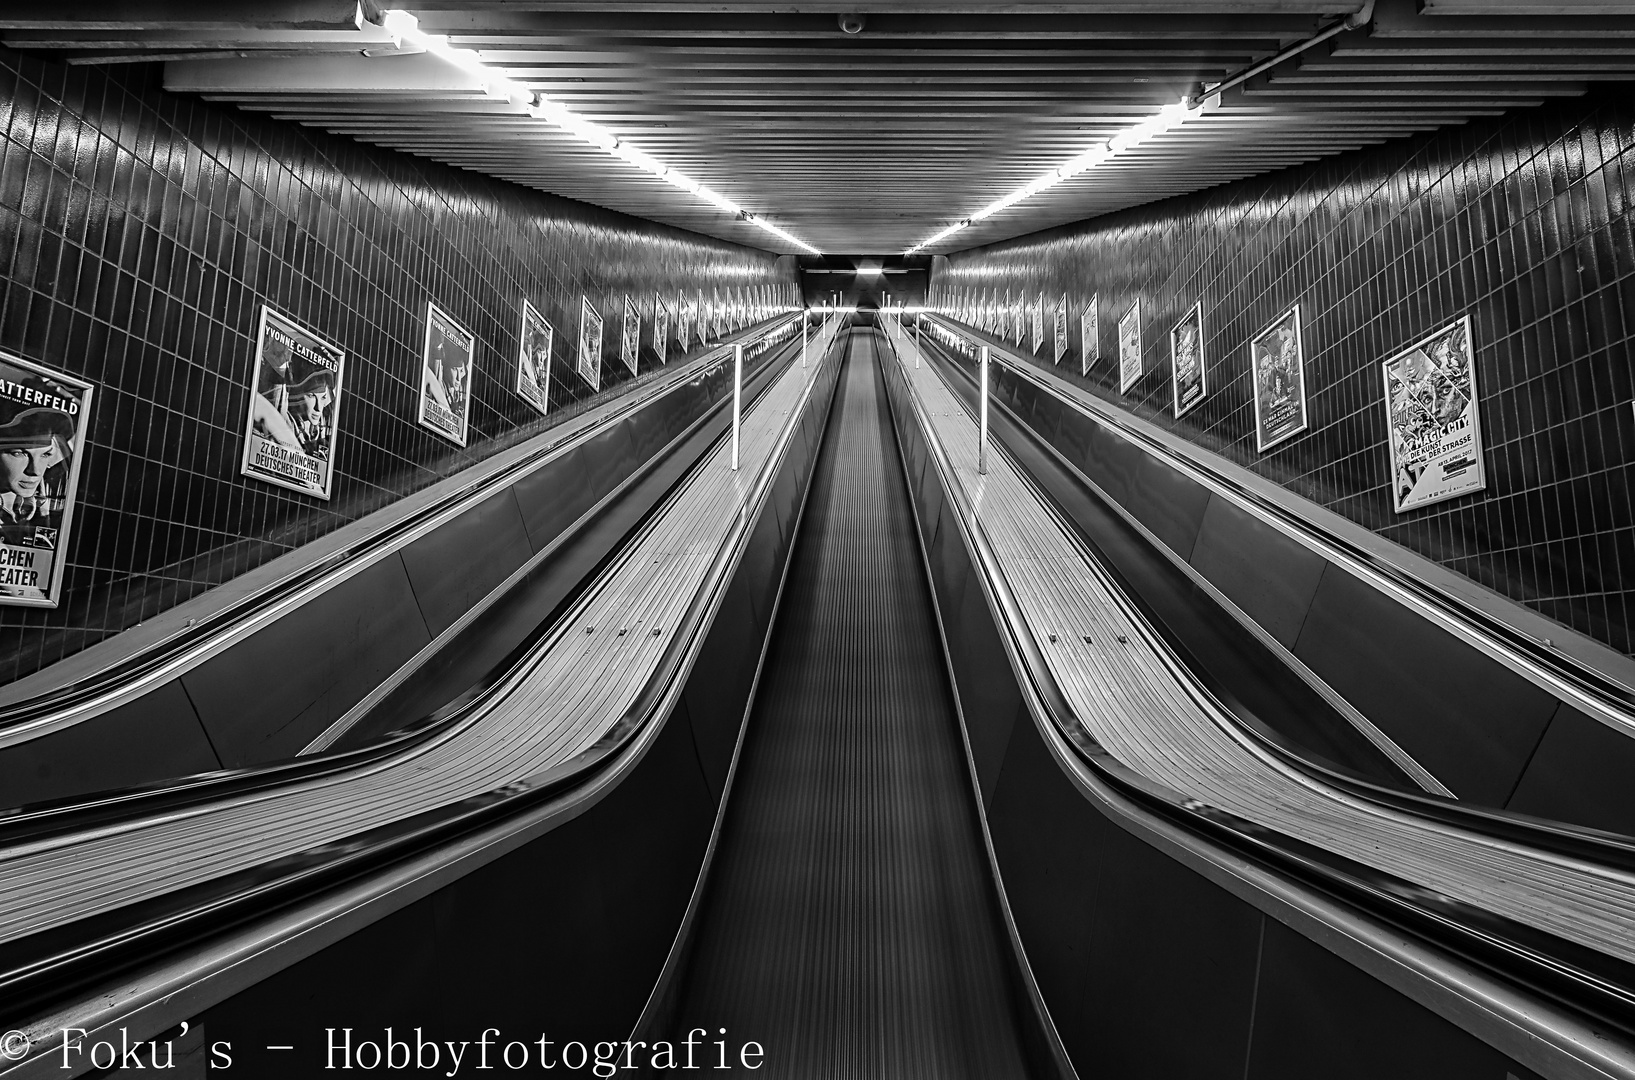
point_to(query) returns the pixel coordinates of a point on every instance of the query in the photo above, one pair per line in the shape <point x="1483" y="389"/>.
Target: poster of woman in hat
<point x="295" y="401"/>
<point x="445" y="376"/>
<point x="534" y="358"/>
<point x="43" y="417"/>
<point x="1435" y="431"/>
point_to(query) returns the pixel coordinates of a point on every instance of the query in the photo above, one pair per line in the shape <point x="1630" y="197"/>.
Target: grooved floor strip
<point x="554" y="704"/>
<point x="1131" y="692"/>
<point x="850" y="927"/>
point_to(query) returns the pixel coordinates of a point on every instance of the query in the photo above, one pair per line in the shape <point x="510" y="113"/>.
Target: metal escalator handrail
<point x="1559" y="673"/>
<point x="1561" y="838"/>
<point x="58" y="963"/>
<point x="79" y="815"/>
<point x="1558" y="971"/>
<point x="191" y="645"/>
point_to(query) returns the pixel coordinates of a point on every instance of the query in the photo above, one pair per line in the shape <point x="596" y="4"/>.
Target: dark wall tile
<point x="140" y="231"/>
<point x="1540" y="257"/>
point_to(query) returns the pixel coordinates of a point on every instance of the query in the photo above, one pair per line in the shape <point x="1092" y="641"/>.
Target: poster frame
<point x="661" y="329"/>
<point x="1262" y="443"/>
<point x="421" y="416"/>
<point x="1090" y="334"/>
<point x="588" y="363"/>
<point x="630" y="334"/>
<point x="86" y="392"/>
<point x="526" y="388"/>
<point x="1398" y="502"/>
<point x="1194" y="312"/>
<point x="1059" y="328"/>
<point x="269" y="312"/>
<point x="1130" y="367"/>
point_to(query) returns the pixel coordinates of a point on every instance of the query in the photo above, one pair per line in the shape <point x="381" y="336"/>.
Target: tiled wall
<point x="140" y="231"/>
<point x="1523" y="222"/>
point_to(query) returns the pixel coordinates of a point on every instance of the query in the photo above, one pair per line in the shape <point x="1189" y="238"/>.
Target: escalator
<point x="850" y="924"/>
<point x="890" y="795"/>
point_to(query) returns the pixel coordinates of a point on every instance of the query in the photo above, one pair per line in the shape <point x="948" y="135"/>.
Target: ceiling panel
<point x="869" y="141"/>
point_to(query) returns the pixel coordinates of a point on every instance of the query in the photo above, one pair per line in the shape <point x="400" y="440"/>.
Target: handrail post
<point x="738" y="399"/>
<point x="803" y="341"/>
<point x="982" y="438"/>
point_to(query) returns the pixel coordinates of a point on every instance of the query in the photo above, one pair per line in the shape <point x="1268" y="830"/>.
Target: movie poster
<point x="534" y="358"/>
<point x="1277" y="366"/>
<point x="1089" y="336"/>
<point x="699" y="327"/>
<point x="1019" y="320"/>
<point x="289" y="436"/>
<point x="43" y="423"/>
<point x="1435" y="433"/>
<point x="684" y="333"/>
<point x="661" y="328"/>
<point x="1129" y="348"/>
<point x="445" y="376"/>
<point x="590" y="344"/>
<point x="1038" y="324"/>
<point x="1188" y="377"/>
<point x="1059" y="330"/>
<point x="630" y="340"/>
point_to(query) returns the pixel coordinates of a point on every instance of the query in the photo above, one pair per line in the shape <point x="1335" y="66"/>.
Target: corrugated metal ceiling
<point x="869" y="141"/>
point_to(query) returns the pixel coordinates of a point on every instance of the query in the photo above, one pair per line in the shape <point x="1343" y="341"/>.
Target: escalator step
<point x="850" y="926"/>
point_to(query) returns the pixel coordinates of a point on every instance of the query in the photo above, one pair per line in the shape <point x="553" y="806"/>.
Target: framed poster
<point x="43" y="423"/>
<point x="1277" y="371"/>
<point x="1059" y="348"/>
<point x="1019" y="319"/>
<point x="1129" y="348"/>
<point x="718" y="314"/>
<point x="534" y="358"/>
<point x="295" y="407"/>
<point x="630" y="341"/>
<point x="1188" y="377"/>
<point x="1435" y="433"/>
<point x="1089" y="335"/>
<point x="661" y="327"/>
<point x="698" y="319"/>
<point x="1038" y="324"/>
<point x="590" y="344"/>
<point x="445" y="376"/>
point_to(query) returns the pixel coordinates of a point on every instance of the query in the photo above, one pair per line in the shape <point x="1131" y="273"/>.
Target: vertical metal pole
<point x="738" y="398"/>
<point x="803" y="341"/>
<point x="982" y="443"/>
<point x="919" y="342"/>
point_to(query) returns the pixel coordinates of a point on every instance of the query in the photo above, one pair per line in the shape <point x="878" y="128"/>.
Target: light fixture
<point x="404" y="29"/>
<point x="1168" y="118"/>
